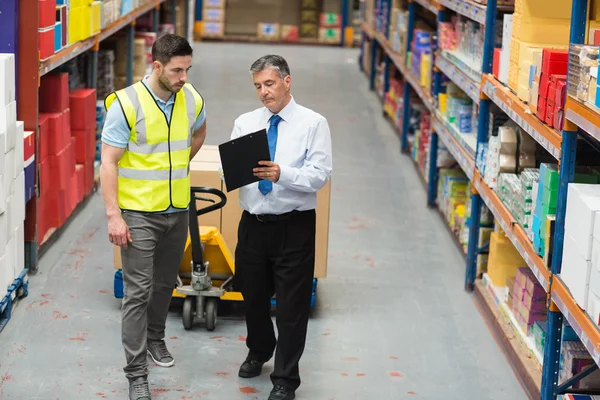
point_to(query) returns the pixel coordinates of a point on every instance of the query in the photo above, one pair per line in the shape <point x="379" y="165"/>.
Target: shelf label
<point x="456" y="152"/>
<point x="458" y="78"/>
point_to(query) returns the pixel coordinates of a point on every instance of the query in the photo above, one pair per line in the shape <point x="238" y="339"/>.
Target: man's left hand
<point x="268" y="170"/>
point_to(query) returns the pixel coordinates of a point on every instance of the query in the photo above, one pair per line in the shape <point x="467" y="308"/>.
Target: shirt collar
<point x="286" y="113"/>
<point x="158" y="99"/>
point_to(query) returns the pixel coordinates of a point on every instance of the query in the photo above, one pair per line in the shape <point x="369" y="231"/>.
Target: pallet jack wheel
<point x="211" y="314"/>
<point x="188" y="312"/>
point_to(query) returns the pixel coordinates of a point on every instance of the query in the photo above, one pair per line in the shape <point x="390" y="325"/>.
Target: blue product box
<point x="532" y="69"/>
<point x="29" y="182"/>
<point x="57" y="37"/>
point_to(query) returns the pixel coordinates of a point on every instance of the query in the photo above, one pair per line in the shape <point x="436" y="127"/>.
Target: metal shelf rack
<point x="579" y="119"/>
<point x="25" y="44"/>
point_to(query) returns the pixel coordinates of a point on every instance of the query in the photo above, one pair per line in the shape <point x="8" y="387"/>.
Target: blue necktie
<point x="264" y="185"/>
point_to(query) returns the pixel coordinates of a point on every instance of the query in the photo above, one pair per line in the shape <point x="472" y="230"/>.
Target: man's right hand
<point x="118" y="231"/>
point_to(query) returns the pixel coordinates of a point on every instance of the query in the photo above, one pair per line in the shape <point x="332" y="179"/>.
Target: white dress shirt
<point x="303" y="154"/>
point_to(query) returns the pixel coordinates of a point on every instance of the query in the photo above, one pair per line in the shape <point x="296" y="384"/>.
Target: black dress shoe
<point x="282" y="393"/>
<point x="251" y="368"/>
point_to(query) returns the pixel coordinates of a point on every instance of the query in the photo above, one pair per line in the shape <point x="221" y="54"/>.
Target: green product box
<point x="550" y="175"/>
<point x="586" y="177"/>
<point x="550" y="197"/>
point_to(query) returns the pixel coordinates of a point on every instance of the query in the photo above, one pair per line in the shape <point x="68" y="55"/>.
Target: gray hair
<point x="271" y="61"/>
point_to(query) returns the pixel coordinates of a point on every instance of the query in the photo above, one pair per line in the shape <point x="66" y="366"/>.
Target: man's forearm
<point x="108" y="177"/>
<point x="197" y="142"/>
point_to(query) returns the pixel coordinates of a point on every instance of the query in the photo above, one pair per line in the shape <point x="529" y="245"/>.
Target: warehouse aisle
<point x="392" y="320"/>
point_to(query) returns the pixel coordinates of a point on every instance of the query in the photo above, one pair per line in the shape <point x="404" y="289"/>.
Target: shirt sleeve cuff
<point x="114" y="144"/>
<point x="286" y="175"/>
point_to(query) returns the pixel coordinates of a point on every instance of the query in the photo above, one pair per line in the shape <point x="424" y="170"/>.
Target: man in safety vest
<point x="153" y="129"/>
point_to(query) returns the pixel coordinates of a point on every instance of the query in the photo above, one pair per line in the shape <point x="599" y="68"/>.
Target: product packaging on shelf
<point x="12" y="179"/>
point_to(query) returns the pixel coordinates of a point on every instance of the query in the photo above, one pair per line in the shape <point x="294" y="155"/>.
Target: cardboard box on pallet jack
<point x="204" y="171"/>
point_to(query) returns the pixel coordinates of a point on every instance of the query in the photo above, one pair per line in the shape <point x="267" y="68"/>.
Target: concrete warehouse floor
<point x="392" y="320"/>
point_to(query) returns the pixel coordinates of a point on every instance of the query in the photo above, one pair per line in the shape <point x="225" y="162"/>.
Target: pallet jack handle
<point x="194" y="212"/>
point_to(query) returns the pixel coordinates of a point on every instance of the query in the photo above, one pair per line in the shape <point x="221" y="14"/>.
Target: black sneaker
<point x="251" y="368"/>
<point x="159" y="353"/>
<point x="139" y="390"/>
<point x="282" y="393"/>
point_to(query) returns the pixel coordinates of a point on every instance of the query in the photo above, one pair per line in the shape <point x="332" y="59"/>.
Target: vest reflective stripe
<point x="159" y="147"/>
<point x="154" y="170"/>
<point x="155" y="175"/>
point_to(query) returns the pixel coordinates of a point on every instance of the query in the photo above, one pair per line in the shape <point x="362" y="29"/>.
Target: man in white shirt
<point x="275" y="253"/>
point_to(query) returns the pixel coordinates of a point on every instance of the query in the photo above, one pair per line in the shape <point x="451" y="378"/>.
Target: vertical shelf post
<point x="94" y="65"/>
<point x="482" y="137"/>
<point x="130" y="37"/>
<point x="174" y="13"/>
<point x="387" y="60"/>
<point x="566" y="176"/>
<point x="28" y="78"/>
<point x="344" y="12"/>
<point x="433" y="141"/>
<point x="412" y="11"/>
<point x="373" y="63"/>
<point x="156" y="18"/>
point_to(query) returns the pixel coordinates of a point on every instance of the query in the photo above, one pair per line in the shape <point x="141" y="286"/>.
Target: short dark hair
<point x="273" y="61"/>
<point x="168" y="46"/>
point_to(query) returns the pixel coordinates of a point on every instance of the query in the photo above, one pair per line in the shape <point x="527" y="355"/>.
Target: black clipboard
<point x="241" y="155"/>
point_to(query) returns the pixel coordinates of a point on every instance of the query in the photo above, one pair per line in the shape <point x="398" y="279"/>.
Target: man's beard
<point x="164" y="84"/>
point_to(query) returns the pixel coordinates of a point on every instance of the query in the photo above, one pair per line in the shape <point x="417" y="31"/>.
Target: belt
<point x="278" y="217"/>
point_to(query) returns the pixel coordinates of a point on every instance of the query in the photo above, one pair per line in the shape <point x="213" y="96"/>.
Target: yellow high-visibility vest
<point x="154" y="170"/>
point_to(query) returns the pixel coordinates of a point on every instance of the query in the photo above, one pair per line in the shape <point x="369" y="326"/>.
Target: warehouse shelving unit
<point x="579" y="119"/>
<point x="346" y="30"/>
<point x="29" y="71"/>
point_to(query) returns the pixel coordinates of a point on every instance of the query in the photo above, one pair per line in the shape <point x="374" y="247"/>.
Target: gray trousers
<point x="150" y="269"/>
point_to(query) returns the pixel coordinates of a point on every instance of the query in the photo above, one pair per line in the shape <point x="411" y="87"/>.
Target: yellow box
<point x="85" y="22"/>
<point x="96" y="17"/>
<point x="504" y="260"/>
<point x="74" y="16"/>
<point x="544" y="8"/>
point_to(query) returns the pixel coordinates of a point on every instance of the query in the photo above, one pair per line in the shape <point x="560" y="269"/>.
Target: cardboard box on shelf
<point x="268" y="31"/>
<point x="333" y="35"/>
<point x="213" y="29"/>
<point x="213" y="15"/>
<point x="289" y="33"/>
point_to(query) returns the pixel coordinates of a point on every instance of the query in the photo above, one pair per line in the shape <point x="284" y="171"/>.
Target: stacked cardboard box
<point x="528" y="300"/>
<point x="582" y="225"/>
<point x="213" y="16"/>
<point x="574" y="358"/>
<point x="504" y="260"/>
<point x="289" y="33"/>
<point x="12" y="179"/>
<point x="309" y="18"/>
<point x="552" y="86"/>
<point x="546" y="193"/>
<point x="47" y="28"/>
<point x="268" y="30"/>
<point x="66" y="150"/>
<point x="330" y="27"/>
<point x="142" y="58"/>
<point x="535" y="24"/>
<point x="85" y="18"/>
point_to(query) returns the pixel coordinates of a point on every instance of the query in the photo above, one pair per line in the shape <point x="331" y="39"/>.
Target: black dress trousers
<point x="276" y="255"/>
